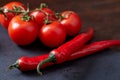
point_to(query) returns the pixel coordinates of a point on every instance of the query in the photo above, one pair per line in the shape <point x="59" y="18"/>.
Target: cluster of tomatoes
<point x="25" y="26"/>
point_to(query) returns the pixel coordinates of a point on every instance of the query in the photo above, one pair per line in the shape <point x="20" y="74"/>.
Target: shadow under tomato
<point x="36" y="46"/>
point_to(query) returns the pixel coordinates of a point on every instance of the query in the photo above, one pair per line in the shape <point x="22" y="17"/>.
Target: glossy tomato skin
<point x="15" y="3"/>
<point x="53" y="34"/>
<point x="22" y="32"/>
<point x="71" y="22"/>
<point x="4" y="21"/>
<point x="6" y="17"/>
<point x="50" y="12"/>
<point x="40" y="15"/>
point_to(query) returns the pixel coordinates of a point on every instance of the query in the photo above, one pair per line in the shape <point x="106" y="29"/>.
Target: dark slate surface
<point x="105" y="19"/>
<point x="101" y="66"/>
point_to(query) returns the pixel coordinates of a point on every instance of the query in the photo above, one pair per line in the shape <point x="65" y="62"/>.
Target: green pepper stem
<point x="15" y="65"/>
<point x="51" y="58"/>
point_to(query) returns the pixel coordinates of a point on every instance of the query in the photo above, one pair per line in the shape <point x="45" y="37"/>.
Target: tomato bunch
<point x="25" y="26"/>
<point x="6" y="16"/>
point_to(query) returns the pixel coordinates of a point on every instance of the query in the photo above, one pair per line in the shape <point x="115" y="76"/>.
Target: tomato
<point x="40" y="15"/>
<point x="71" y="22"/>
<point x="22" y="32"/>
<point x="12" y="4"/>
<point x="53" y="34"/>
<point x="50" y="12"/>
<point x="6" y="17"/>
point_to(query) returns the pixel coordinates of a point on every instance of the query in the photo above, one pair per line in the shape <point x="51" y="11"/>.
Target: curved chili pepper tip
<point x="15" y="65"/>
<point x="51" y="58"/>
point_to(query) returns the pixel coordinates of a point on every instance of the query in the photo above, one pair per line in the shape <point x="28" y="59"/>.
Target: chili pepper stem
<point x="15" y="65"/>
<point x="51" y="58"/>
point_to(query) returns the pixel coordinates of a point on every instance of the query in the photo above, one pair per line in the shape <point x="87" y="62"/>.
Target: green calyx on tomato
<point x="26" y="16"/>
<point x="43" y="15"/>
<point x="1" y="10"/>
<point x="59" y="16"/>
<point x="22" y="32"/>
<point x="42" y="5"/>
<point x="72" y="22"/>
<point x="9" y="10"/>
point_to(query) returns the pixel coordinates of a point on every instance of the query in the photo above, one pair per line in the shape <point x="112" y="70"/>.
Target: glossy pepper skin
<point x="30" y="63"/>
<point x="62" y="53"/>
<point x="94" y="47"/>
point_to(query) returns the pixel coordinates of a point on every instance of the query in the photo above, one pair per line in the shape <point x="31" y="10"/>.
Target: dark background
<point x="102" y="15"/>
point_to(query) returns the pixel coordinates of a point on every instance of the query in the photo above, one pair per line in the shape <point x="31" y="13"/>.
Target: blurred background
<point x="103" y="15"/>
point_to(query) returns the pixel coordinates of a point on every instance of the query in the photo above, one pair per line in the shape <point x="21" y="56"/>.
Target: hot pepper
<point x="87" y="50"/>
<point x="65" y="51"/>
<point x="94" y="47"/>
<point x="30" y="63"/>
<point x="62" y="53"/>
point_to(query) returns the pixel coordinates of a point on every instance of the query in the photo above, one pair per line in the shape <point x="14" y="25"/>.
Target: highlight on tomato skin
<point x="40" y="15"/>
<point x="22" y="32"/>
<point x="5" y="17"/>
<point x="50" y="12"/>
<point x="72" y="22"/>
<point x="13" y="4"/>
<point x="52" y="34"/>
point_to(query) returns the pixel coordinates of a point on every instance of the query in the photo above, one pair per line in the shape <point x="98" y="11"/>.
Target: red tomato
<point x="22" y="32"/>
<point x="50" y="12"/>
<point x="71" y="22"/>
<point x="6" y="17"/>
<point x="12" y="4"/>
<point x="53" y="34"/>
<point x="40" y="15"/>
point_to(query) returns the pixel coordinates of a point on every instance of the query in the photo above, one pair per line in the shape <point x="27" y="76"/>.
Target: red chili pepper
<point x="27" y="63"/>
<point x="30" y="63"/>
<point x="87" y="50"/>
<point x="94" y="47"/>
<point x="62" y="53"/>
